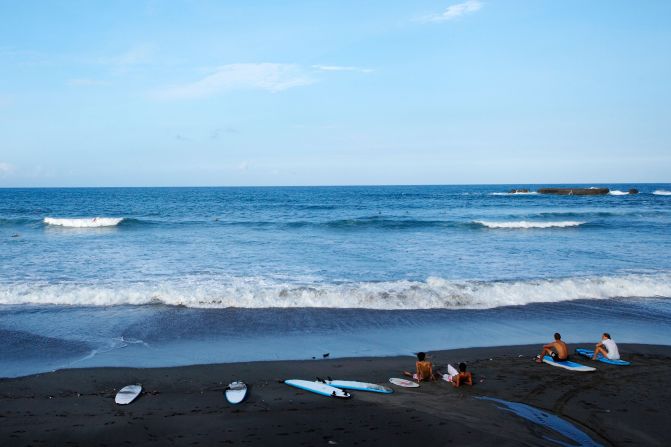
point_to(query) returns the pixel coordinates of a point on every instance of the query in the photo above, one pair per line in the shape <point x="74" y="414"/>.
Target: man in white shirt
<point x="607" y="348"/>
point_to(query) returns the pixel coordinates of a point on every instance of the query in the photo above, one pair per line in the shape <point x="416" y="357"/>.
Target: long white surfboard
<point x="571" y="366"/>
<point x="318" y="388"/>
<point x="128" y="394"/>
<point x="359" y="386"/>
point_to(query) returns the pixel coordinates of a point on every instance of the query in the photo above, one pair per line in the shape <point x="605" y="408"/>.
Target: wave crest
<point x="251" y="292"/>
<point x="661" y="192"/>
<point x="529" y="224"/>
<point x="90" y="222"/>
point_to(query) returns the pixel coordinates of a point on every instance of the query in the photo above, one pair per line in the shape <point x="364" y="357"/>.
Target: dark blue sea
<point x="172" y="276"/>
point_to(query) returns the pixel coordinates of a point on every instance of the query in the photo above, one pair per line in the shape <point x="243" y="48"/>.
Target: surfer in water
<point x="556" y="349"/>
<point x="607" y="348"/>
<point x="424" y="369"/>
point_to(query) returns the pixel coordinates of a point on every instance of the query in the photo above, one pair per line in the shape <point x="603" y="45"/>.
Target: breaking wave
<point x="253" y="292"/>
<point x="617" y="192"/>
<point x="529" y="224"/>
<point x="661" y="192"/>
<point x="90" y="222"/>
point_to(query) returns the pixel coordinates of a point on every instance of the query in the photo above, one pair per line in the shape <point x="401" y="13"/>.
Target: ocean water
<point x="172" y="276"/>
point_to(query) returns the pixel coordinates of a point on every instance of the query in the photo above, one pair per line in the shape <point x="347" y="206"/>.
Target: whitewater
<point x="161" y="276"/>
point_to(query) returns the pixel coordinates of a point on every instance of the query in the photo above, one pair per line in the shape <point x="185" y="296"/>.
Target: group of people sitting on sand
<point x="424" y="372"/>
<point x="556" y="349"/>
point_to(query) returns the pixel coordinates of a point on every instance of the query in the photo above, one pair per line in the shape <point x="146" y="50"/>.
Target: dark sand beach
<point x="626" y="405"/>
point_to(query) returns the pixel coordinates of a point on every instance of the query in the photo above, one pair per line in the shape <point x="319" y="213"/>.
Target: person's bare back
<point x="556" y="349"/>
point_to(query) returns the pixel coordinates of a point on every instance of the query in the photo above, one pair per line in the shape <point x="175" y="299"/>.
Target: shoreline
<point x="184" y="405"/>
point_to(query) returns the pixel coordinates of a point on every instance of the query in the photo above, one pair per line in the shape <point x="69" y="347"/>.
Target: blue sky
<point x="135" y="93"/>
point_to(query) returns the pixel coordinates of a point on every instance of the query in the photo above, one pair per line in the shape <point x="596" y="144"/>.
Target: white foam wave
<point x="90" y="222"/>
<point x="529" y="224"/>
<point x="617" y="192"/>
<point x="434" y="293"/>
<point x="530" y="193"/>
<point x="661" y="192"/>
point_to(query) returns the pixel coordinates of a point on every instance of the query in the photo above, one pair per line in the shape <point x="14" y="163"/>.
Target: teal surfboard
<point x="589" y="353"/>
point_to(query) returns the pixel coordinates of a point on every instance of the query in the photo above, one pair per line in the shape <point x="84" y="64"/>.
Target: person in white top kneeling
<point x="607" y="348"/>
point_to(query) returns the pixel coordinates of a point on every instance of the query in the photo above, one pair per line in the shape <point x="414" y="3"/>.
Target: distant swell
<point x="529" y="224"/>
<point x="253" y="292"/>
<point x="91" y="222"/>
<point x="661" y="192"/>
<point x="530" y="193"/>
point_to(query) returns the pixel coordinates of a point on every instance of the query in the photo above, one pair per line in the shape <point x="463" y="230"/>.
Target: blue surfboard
<point x="589" y="353"/>
<point x="567" y="364"/>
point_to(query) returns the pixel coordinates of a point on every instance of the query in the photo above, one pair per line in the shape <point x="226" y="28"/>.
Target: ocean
<point x="175" y="276"/>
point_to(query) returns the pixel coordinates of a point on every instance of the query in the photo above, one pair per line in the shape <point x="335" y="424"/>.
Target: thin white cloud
<point x="138" y="54"/>
<point x="455" y="11"/>
<point x="85" y="82"/>
<point x="342" y="68"/>
<point x="260" y="76"/>
<point x="6" y="168"/>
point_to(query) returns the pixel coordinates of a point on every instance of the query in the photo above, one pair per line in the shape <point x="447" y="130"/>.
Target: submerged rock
<point x="575" y="191"/>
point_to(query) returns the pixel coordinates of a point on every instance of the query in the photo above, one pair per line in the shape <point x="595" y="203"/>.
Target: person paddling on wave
<point x="424" y="369"/>
<point x="607" y="348"/>
<point x="556" y="349"/>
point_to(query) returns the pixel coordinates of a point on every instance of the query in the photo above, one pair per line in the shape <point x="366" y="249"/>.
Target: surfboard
<point x="236" y="392"/>
<point x="403" y="382"/>
<point x="571" y="366"/>
<point x="128" y="394"/>
<point x="451" y="372"/>
<point x="359" y="386"/>
<point x="589" y="353"/>
<point x="318" y="388"/>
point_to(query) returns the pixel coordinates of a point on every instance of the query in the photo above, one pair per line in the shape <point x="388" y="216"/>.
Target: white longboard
<point x="571" y="366"/>
<point x="403" y="382"/>
<point x="359" y="386"/>
<point x="236" y="392"/>
<point x="128" y="394"/>
<point x="318" y="388"/>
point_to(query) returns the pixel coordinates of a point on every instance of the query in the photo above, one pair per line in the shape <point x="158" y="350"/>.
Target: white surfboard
<point x="128" y="394"/>
<point x="236" y="392"/>
<point x="318" y="388"/>
<point x="571" y="366"/>
<point x="359" y="386"/>
<point x="451" y="372"/>
<point x="403" y="382"/>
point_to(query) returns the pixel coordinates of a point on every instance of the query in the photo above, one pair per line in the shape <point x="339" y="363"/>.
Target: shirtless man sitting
<point x="557" y="350"/>
<point x="424" y="369"/>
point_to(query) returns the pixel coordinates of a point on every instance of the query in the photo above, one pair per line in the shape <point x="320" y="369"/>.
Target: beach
<point x="615" y="405"/>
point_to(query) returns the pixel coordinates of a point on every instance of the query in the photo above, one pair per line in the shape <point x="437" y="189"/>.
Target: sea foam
<point x="617" y="192"/>
<point x="524" y="224"/>
<point x="253" y="292"/>
<point x="661" y="192"/>
<point x="90" y="222"/>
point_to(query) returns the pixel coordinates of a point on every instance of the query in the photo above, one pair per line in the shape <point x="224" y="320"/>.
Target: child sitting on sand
<point x="458" y="378"/>
<point x="424" y="369"/>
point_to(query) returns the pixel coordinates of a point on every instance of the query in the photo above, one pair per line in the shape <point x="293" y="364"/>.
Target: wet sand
<point x="616" y="405"/>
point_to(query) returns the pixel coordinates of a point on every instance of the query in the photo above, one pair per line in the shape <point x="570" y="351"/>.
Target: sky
<point x="327" y="92"/>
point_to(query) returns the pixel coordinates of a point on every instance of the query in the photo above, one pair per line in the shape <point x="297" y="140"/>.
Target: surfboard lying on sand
<point x="359" y="386"/>
<point x="236" y="392"/>
<point x="571" y="366"/>
<point x="318" y="388"/>
<point x="404" y="382"/>
<point x="128" y="394"/>
<point x="589" y="353"/>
